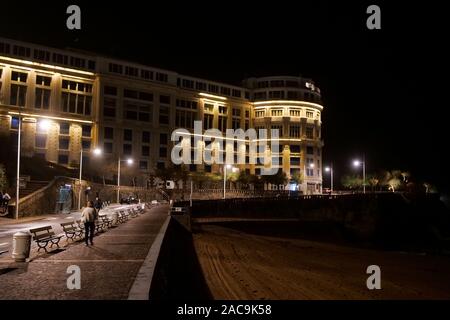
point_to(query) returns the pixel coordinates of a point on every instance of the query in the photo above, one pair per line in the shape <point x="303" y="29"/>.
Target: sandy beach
<point x="239" y="264"/>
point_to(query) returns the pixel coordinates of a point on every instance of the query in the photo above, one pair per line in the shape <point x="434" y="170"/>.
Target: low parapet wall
<point x="420" y="220"/>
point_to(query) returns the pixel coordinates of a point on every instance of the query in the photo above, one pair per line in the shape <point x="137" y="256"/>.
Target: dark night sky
<point x="383" y="90"/>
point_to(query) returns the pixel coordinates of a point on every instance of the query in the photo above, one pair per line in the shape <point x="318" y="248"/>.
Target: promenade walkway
<point x="108" y="269"/>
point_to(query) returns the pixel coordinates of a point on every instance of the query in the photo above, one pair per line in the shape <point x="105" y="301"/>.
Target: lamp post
<point x="96" y="152"/>
<point x="225" y="167"/>
<point x="18" y="166"/>
<point x="129" y="161"/>
<point x="330" y="170"/>
<point x="357" y="163"/>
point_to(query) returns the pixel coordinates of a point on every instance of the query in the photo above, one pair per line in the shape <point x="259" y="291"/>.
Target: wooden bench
<point x="107" y="221"/>
<point x="123" y="216"/>
<point x="44" y="236"/>
<point x="72" y="230"/>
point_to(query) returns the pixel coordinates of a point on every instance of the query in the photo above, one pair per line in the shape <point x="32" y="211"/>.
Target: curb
<point x="140" y="289"/>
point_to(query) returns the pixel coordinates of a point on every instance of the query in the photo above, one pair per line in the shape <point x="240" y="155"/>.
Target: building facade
<point x="130" y="111"/>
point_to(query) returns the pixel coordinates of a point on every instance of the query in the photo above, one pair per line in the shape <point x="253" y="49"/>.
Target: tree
<point x="351" y="182"/>
<point x="3" y="178"/>
<point x="372" y="181"/>
<point x="392" y="179"/>
<point x="297" y="178"/>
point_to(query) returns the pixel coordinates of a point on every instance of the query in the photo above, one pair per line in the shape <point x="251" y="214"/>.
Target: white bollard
<point x="115" y="218"/>
<point x="21" y="246"/>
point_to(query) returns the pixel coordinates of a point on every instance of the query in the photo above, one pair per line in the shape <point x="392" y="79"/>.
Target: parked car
<point x="129" y="200"/>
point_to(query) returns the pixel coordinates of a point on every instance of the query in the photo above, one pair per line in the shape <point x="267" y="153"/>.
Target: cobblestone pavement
<point x="108" y="268"/>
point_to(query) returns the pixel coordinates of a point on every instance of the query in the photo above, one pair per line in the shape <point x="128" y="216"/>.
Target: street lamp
<point x="330" y="170"/>
<point x="129" y="162"/>
<point x="96" y="152"/>
<point x="225" y="167"/>
<point x="357" y="163"/>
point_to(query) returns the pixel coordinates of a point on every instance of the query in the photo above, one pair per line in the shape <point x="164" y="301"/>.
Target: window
<point x="163" y="138"/>
<point x="162" y="152"/>
<point x="108" y="133"/>
<point x="294" y="131"/>
<point x="86" y="144"/>
<point x="185" y="118"/>
<point x="163" y="77"/>
<point x="109" y="90"/>
<point x="109" y="107"/>
<point x="21" y="51"/>
<point x="200" y="86"/>
<point x="192" y="167"/>
<point x="108" y="147"/>
<point x="277" y="83"/>
<point x="235" y="123"/>
<point x="295" y="161"/>
<point x="91" y="64"/>
<point x="236" y="93"/>
<point x="115" y="68"/>
<point x="236" y="112"/>
<point x="213" y="88"/>
<point x="188" y="84"/>
<point x="4" y="47"/>
<point x="146" y="74"/>
<point x="309" y="114"/>
<point x="127" y="134"/>
<point x="259" y="113"/>
<point x="247" y="124"/>
<point x="225" y="91"/>
<point x="18" y="95"/>
<point x="310" y="132"/>
<point x="131" y="71"/>
<point x="143" y="165"/>
<point x="222" y="123"/>
<point x="276" y="94"/>
<point x="145" y="151"/>
<point x="295" y="149"/>
<point x="163" y="115"/>
<point x="309" y="150"/>
<point x="295" y="112"/>
<point x="64" y="128"/>
<point x="208" y="121"/>
<point x="64" y="143"/>
<point x="19" y="76"/>
<point x="292" y="95"/>
<point x="73" y="101"/>
<point x="63" y="159"/>
<point x="260" y="95"/>
<point x="209" y="107"/>
<point x="145" y="137"/>
<point x="41" y="141"/>
<point x="247" y="113"/>
<point x="42" y="98"/>
<point x="208" y="168"/>
<point x="60" y="58"/>
<point x="43" y="81"/>
<point x="14" y="123"/>
<point x="164" y="99"/>
<point x="186" y="104"/>
<point x="292" y="83"/>
<point x="222" y="109"/>
<point x="127" y="149"/>
<point x="279" y="128"/>
<point x="86" y="131"/>
<point x="277" y="112"/>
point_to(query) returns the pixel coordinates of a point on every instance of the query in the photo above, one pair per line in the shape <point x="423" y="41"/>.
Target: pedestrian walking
<point x="98" y="204"/>
<point x="88" y="217"/>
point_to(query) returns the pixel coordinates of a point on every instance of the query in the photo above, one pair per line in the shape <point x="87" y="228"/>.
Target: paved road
<point x="8" y="228"/>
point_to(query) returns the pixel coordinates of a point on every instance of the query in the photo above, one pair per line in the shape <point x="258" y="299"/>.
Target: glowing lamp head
<point x="228" y="166"/>
<point x="130" y="161"/>
<point x="44" y="124"/>
<point x="327" y="169"/>
<point x="311" y="165"/>
<point x="356" y="163"/>
<point x="97" y="151"/>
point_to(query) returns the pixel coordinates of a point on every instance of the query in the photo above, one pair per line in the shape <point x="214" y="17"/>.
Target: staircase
<point x="31" y="187"/>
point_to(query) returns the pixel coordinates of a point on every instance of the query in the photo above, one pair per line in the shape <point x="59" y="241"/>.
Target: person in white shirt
<point x="88" y="217"/>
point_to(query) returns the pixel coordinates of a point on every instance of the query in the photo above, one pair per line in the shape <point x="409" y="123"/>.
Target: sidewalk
<point x="108" y="269"/>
